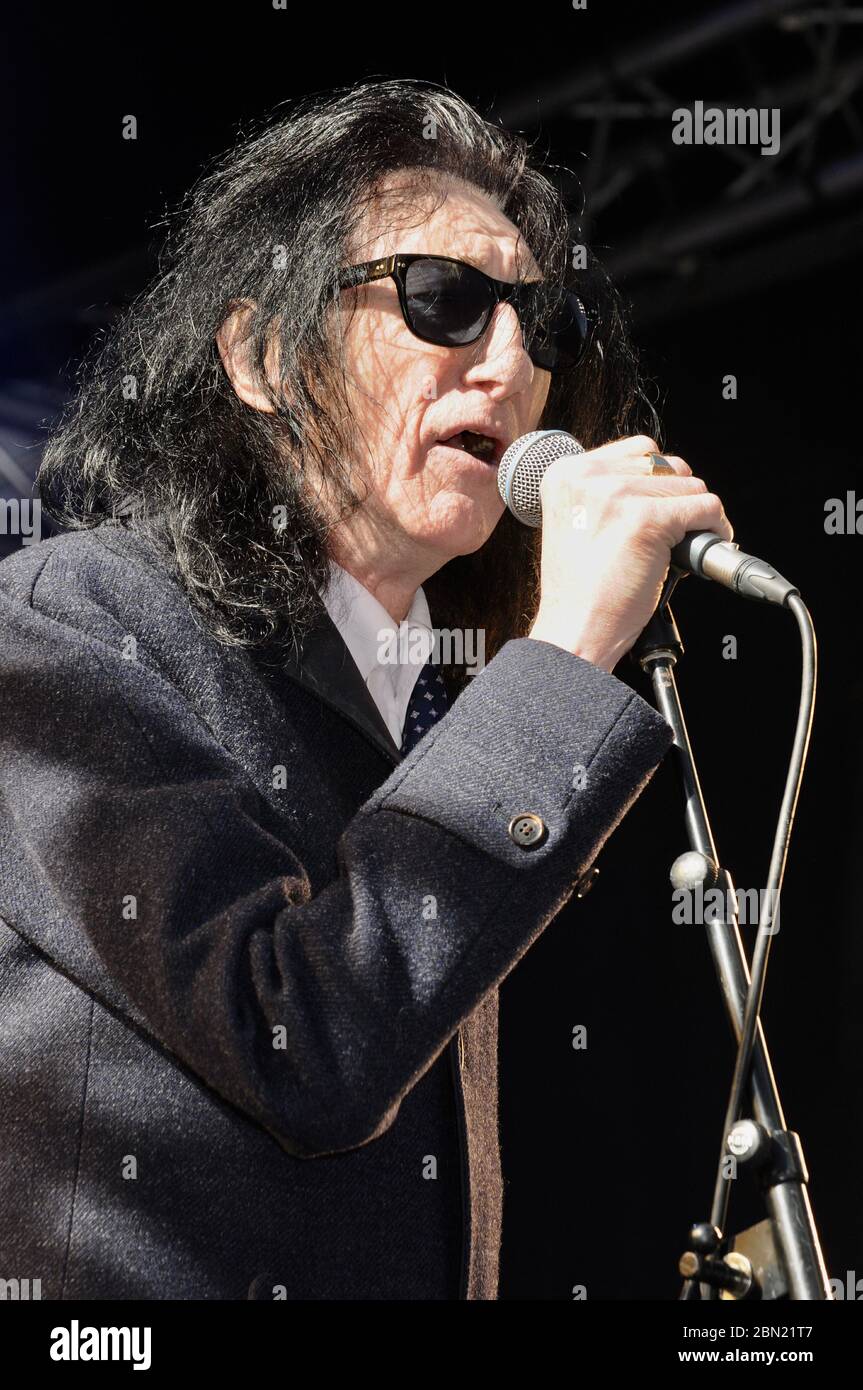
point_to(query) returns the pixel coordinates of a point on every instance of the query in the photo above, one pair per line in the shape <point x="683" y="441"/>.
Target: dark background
<point x="732" y="263"/>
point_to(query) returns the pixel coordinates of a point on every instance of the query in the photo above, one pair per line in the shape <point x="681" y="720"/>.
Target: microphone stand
<point x="781" y="1256"/>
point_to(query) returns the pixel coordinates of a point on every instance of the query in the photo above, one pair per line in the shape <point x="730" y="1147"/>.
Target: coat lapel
<point x="324" y="664"/>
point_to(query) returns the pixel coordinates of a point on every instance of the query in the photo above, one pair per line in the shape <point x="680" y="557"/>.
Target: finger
<point x="631" y="445"/>
<point x="624" y="484"/>
<point x="702" y="513"/>
<point x="611" y="459"/>
<point x="664" y="484"/>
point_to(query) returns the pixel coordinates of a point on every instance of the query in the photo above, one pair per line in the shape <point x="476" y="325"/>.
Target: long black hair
<point x="157" y="436"/>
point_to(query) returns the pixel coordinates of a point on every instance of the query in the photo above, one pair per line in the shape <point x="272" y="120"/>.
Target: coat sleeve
<point x="126" y="823"/>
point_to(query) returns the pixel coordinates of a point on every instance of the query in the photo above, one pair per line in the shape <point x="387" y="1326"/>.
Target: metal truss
<point x="670" y="212"/>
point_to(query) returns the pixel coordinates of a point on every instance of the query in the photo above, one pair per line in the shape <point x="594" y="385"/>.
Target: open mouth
<point x="481" y="446"/>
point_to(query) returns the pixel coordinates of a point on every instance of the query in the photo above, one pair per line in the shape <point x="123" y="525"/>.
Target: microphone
<point x="520" y="473"/>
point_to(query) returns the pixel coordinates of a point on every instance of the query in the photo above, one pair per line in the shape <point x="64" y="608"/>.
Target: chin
<point x="463" y="536"/>
<point x="460" y="524"/>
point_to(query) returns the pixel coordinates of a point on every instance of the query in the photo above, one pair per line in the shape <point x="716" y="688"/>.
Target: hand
<point x="608" y="526"/>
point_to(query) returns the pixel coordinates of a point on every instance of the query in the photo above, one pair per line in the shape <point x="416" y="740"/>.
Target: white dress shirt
<point x="389" y="655"/>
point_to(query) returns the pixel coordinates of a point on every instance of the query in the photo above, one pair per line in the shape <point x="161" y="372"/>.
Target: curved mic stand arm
<point x="781" y="1256"/>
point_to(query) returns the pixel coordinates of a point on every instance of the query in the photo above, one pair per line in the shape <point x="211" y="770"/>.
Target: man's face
<point x="429" y="501"/>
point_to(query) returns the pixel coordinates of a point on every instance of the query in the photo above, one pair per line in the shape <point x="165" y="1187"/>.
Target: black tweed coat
<point x="249" y="955"/>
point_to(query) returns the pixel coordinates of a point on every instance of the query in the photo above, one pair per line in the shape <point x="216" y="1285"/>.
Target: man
<point x="258" y="891"/>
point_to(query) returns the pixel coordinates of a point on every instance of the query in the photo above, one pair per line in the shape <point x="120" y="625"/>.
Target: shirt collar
<point x="364" y="623"/>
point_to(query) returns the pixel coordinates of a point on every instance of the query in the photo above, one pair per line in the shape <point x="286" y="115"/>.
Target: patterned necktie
<point x="428" y="704"/>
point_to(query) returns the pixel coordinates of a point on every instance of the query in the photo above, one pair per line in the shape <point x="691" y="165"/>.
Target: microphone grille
<point x="521" y="470"/>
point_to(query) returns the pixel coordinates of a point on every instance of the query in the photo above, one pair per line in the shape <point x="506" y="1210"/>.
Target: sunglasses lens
<point x="448" y="303"/>
<point x="556" y="329"/>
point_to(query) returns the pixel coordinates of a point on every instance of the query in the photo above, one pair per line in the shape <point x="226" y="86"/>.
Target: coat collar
<point x="321" y="662"/>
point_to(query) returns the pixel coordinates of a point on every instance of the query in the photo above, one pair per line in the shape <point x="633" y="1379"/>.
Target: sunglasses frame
<point x="503" y="292"/>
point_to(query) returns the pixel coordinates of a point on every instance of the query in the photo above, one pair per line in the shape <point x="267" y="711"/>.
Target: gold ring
<point x="659" y="464"/>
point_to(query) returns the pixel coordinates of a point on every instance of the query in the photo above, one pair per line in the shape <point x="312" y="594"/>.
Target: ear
<point x="234" y="344"/>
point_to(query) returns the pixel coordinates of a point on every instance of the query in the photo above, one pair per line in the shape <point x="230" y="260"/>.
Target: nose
<point x="499" y="358"/>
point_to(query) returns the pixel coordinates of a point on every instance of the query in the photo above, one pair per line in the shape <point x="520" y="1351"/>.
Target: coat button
<point x="586" y="882"/>
<point x="527" y="829"/>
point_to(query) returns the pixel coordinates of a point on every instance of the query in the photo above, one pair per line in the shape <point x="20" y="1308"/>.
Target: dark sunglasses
<point x="450" y="303"/>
